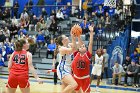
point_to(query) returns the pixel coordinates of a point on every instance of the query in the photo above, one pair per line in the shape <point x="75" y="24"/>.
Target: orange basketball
<point x="76" y="30"/>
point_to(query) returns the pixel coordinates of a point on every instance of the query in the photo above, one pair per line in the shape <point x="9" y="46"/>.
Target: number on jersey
<point x="81" y="64"/>
<point x="19" y="59"/>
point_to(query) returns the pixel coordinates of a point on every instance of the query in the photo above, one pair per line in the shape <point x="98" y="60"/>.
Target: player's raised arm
<point x="91" y="28"/>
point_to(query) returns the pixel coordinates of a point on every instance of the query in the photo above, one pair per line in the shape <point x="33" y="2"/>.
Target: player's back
<point x="19" y="63"/>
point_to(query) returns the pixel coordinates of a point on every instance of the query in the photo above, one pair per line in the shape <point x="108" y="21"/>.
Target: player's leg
<point x="25" y="90"/>
<point x="63" y="85"/>
<point x="94" y="71"/>
<point x="71" y="83"/>
<point x="11" y="90"/>
<point x="24" y="83"/>
<point x="12" y="83"/>
<point x="86" y="85"/>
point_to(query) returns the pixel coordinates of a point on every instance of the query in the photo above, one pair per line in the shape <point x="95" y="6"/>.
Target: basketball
<point x="76" y="30"/>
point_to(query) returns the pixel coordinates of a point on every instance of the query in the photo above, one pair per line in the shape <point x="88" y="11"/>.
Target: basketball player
<point x="98" y="67"/>
<point x="81" y="65"/>
<point x="19" y="64"/>
<point x="64" y="67"/>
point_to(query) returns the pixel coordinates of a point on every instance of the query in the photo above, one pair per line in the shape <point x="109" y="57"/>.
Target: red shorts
<point x="15" y="80"/>
<point x="84" y="84"/>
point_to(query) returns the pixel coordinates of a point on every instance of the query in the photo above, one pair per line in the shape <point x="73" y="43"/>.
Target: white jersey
<point x="64" y="67"/>
<point x="98" y="60"/>
<point x="97" y="68"/>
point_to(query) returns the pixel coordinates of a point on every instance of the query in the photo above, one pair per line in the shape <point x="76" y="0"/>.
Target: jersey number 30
<point x="19" y="59"/>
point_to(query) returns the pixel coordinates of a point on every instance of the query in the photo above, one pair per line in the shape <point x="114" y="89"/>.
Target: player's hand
<point x="39" y="80"/>
<point x="91" y="28"/>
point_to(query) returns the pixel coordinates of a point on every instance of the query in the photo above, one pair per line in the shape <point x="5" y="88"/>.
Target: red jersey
<point x="19" y="63"/>
<point x="81" y="64"/>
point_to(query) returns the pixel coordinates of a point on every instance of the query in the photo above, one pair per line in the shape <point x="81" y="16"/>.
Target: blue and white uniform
<point x="97" y="68"/>
<point x="64" y="67"/>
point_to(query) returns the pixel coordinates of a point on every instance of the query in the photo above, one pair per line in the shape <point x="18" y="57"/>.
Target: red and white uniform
<point x="19" y="71"/>
<point x="81" y="70"/>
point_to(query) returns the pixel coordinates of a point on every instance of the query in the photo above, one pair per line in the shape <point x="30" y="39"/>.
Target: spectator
<point x="44" y="13"/>
<point x="53" y="15"/>
<point x="24" y="15"/>
<point x="53" y="27"/>
<point x="101" y="21"/>
<point x="33" y="23"/>
<point x="99" y="31"/>
<point x="29" y="5"/>
<point x="32" y="45"/>
<point x="15" y="9"/>
<point x="38" y="26"/>
<point x="107" y="24"/>
<point x="23" y="22"/>
<point x="21" y="35"/>
<point x="6" y="32"/>
<point x="1" y="61"/>
<point x="106" y="60"/>
<point x="13" y="30"/>
<point x="94" y="18"/>
<point x="89" y="7"/>
<point x="77" y="12"/>
<point x="2" y="37"/>
<point x="132" y="71"/>
<point x="135" y="56"/>
<point x="126" y="62"/>
<point x="4" y="54"/>
<point x="111" y="11"/>
<point x="66" y="12"/>
<point x="50" y="49"/>
<point x="40" y="39"/>
<point x="84" y="25"/>
<point x="117" y="71"/>
<point x="100" y="11"/>
<point x="59" y="16"/>
<point x="24" y="31"/>
<point x="15" y="21"/>
<point x="138" y="49"/>
<point x="6" y="13"/>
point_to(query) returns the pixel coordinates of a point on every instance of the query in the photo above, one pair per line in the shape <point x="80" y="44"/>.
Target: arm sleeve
<point x="75" y="53"/>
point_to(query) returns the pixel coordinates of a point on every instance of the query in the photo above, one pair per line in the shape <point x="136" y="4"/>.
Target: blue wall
<point x="2" y="2"/>
<point x="37" y="10"/>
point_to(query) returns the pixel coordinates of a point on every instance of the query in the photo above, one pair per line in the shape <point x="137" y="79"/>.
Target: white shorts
<point x="97" y="70"/>
<point x="63" y="70"/>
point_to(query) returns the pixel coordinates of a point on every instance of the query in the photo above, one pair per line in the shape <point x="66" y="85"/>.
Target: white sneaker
<point x="97" y="89"/>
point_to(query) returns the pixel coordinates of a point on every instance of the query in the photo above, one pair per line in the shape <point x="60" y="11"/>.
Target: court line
<point x="102" y="86"/>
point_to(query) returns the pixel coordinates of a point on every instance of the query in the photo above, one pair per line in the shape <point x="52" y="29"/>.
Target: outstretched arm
<point x="91" y="28"/>
<point x="31" y="67"/>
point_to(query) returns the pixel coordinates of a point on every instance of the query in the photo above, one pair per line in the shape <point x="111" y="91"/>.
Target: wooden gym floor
<point x="49" y="87"/>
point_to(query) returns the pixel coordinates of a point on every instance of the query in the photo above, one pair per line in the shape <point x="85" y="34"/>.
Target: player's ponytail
<point x="18" y="45"/>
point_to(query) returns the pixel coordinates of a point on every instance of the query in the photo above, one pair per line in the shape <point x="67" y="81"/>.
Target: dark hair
<point x="135" y="51"/>
<point x="58" y="42"/>
<point x="23" y="41"/>
<point x="18" y="45"/>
